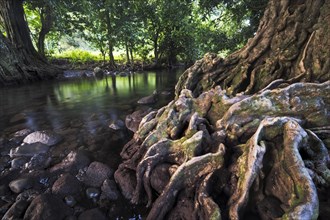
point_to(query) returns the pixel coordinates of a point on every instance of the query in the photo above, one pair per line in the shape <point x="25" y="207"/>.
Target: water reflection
<point x="54" y="104"/>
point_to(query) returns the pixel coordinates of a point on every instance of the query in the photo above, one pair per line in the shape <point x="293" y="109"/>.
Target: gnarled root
<point x="185" y="176"/>
<point x="300" y="199"/>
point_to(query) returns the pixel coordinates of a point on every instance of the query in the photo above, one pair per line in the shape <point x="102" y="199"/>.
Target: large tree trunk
<point x="23" y="63"/>
<point x="246" y="136"/>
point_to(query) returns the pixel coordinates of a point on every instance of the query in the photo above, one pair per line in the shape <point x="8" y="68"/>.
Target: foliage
<point x="161" y="30"/>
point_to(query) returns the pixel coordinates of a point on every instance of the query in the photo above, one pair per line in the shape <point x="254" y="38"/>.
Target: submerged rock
<point x="92" y="193"/>
<point x="151" y="99"/>
<point x="117" y="125"/>
<point x="73" y="162"/>
<point x="109" y="190"/>
<point x="47" y="206"/>
<point x="133" y="120"/>
<point x="96" y="173"/>
<point x="92" y="214"/>
<point x="19" y="185"/>
<point x="29" y="150"/>
<point x="45" y="137"/>
<point x="67" y="184"/>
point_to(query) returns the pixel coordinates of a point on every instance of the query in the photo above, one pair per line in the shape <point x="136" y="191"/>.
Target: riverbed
<point x="88" y="114"/>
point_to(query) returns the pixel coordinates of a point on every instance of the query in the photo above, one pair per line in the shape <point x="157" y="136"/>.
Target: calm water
<point x="81" y="111"/>
<point x="52" y="104"/>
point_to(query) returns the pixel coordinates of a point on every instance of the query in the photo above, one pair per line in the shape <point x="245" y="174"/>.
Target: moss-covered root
<point x="288" y="180"/>
<point x="165" y="151"/>
<point x="186" y="175"/>
<point x="205" y="206"/>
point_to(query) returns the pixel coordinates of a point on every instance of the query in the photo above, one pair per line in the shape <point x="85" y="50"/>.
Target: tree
<point x="26" y="64"/>
<point x="245" y="135"/>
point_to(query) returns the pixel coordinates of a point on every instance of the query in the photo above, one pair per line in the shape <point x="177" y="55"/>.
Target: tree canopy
<point x="157" y="30"/>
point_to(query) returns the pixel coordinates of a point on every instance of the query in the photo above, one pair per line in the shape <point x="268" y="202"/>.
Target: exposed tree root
<point x="267" y="103"/>
<point x="281" y="158"/>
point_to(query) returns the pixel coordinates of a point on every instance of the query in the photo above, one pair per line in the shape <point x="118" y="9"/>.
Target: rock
<point x="70" y="201"/>
<point x="73" y="162"/>
<point x="19" y="136"/>
<point x="96" y="173"/>
<point x="117" y="125"/>
<point x="4" y="190"/>
<point x="98" y="72"/>
<point x="46" y="137"/>
<point x="19" y="185"/>
<point x="38" y="161"/>
<point x="17" y="210"/>
<point x="47" y="206"/>
<point x="123" y="74"/>
<point x="18" y="117"/>
<point x="126" y="180"/>
<point x="109" y="190"/>
<point x="151" y="99"/>
<point x="29" y="150"/>
<point x="133" y="120"/>
<point x="92" y="193"/>
<point x="18" y="163"/>
<point x="66" y="185"/>
<point x="92" y="214"/>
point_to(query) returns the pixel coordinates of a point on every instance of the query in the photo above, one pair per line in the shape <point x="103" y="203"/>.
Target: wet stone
<point x="92" y="193"/>
<point x="70" y="201"/>
<point x="73" y="162"/>
<point x="18" y="163"/>
<point x="18" y="117"/>
<point x="92" y="214"/>
<point x="66" y="185"/>
<point x="117" y="125"/>
<point x="47" y="206"/>
<point x="19" y="136"/>
<point x="96" y="173"/>
<point x="29" y="150"/>
<point x="109" y="190"/>
<point x="19" y="185"/>
<point x="46" y="137"/>
<point x="38" y="161"/>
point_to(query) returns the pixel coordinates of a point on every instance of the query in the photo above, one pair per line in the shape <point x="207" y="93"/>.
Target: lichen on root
<point x="267" y="142"/>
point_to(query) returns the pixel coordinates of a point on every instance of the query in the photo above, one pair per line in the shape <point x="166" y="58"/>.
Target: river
<point x="81" y="110"/>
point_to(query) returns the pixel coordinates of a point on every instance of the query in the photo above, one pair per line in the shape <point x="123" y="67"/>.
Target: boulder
<point x="96" y="173"/>
<point x="67" y="184"/>
<point x="109" y="190"/>
<point x="98" y="72"/>
<point x="73" y="162"/>
<point x="47" y="206"/>
<point x="46" y="137"/>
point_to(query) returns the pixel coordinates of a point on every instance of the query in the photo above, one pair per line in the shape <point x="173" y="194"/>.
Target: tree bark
<point x="247" y="135"/>
<point x="20" y="61"/>
<point x="46" y="25"/>
<point x="110" y="44"/>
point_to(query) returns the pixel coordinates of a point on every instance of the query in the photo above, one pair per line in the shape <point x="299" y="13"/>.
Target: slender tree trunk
<point x="156" y="51"/>
<point x="110" y="44"/>
<point x="127" y="53"/>
<point x="246" y="136"/>
<point x="46" y="25"/>
<point x="131" y="52"/>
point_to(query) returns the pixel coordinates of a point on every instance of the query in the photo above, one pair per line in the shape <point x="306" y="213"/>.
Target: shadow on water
<point x="81" y="110"/>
